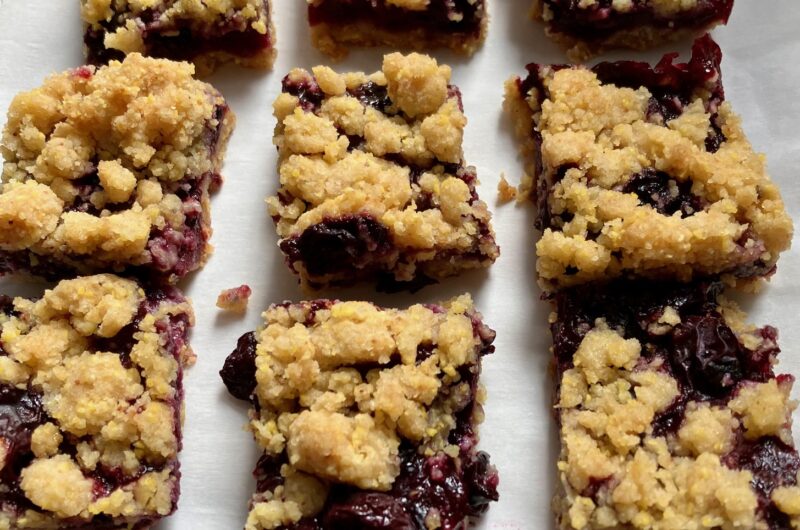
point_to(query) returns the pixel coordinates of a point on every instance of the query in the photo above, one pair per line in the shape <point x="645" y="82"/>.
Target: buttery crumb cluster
<point x="645" y="172"/>
<point x="372" y="176"/>
<point x="90" y="404"/>
<point x="352" y="399"/>
<point x="588" y="27"/>
<point x="208" y="32"/>
<point x="336" y="25"/>
<point x="110" y="168"/>
<point x="670" y="415"/>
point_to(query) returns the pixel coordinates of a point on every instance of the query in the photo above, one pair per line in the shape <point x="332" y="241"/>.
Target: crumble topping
<point x="588" y="27"/>
<point x="207" y="33"/>
<point x="341" y="386"/>
<point x="90" y="379"/>
<point x="385" y="147"/>
<point x="643" y="446"/>
<point x="175" y="12"/>
<point x="627" y="188"/>
<point x="98" y="162"/>
<point x="337" y="25"/>
<point x="235" y="299"/>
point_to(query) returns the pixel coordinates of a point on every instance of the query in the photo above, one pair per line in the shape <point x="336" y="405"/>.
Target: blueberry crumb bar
<point x="367" y="417"/>
<point x="91" y="403"/>
<point x="644" y="171"/>
<point x="589" y="27"/>
<point x="207" y="33"/>
<point x="110" y="168"/>
<point x="337" y="25"/>
<point x="373" y="182"/>
<point x="670" y="414"/>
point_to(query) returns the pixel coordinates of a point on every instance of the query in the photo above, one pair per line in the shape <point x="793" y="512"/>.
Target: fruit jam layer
<point x="446" y="16"/>
<point x="600" y="21"/>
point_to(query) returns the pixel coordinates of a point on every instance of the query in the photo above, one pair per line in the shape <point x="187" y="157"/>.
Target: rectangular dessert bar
<point x="589" y="27"/>
<point x="91" y="399"/>
<point x="372" y="176"/>
<point x="208" y="33"/>
<point x="644" y="171"/>
<point x="670" y="414"/>
<point x="109" y="169"/>
<point x="367" y="417"/>
<point x="337" y="25"/>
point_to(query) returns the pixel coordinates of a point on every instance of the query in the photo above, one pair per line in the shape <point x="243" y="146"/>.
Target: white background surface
<point x="761" y="72"/>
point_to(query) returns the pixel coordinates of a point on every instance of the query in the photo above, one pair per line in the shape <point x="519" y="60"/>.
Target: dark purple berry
<point x="372" y="95"/>
<point x="663" y="193"/>
<point x="339" y="245"/>
<point x="239" y="371"/>
<point x="368" y="511"/>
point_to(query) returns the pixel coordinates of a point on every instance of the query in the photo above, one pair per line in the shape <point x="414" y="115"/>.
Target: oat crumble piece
<point x="91" y="398"/>
<point x="670" y="413"/>
<point x="208" y="33"/>
<point x="589" y="27"/>
<point x="235" y="299"/>
<point x="366" y="414"/>
<point x="109" y="169"/>
<point x="505" y="191"/>
<point x="645" y="171"/>
<point x="338" y="25"/>
<point x="372" y="177"/>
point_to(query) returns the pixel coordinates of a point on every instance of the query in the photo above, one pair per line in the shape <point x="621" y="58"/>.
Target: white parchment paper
<point x="761" y="72"/>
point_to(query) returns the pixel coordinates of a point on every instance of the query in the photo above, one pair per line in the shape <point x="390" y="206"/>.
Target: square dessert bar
<point x="337" y="25"/>
<point x="589" y="27"/>
<point x="670" y="414"/>
<point x="208" y="33"/>
<point x="372" y="176"/>
<point x="645" y="171"/>
<point x="109" y="169"/>
<point x="367" y="417"/>
<point x="91" y="399"/>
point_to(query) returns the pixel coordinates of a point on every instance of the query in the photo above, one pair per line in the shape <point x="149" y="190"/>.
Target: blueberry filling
<point x="179" y="252"/>
<point x="666" y="195"/>
<point x="179" y="41"/>
<point x="449" y="16"/>
<point x="673" y="86"/>
<point x="239" y="371"/>
<point x="22" y="411"/>
<point x="372" y="95"/>
<point x="337" y="246"/>
<point x="599" y="21"/>
<point x="702" y="352"/>
<point x="773" y="464"/>
<point x="307" y="91"/>
<point x="454" y="488"/>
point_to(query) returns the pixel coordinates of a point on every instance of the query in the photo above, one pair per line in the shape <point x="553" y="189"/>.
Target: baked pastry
<point x="367" y="417"/>
<point x="110" y="168"/>
<point x="670" y="414"/>
<point x="589" y="27"/>
<point x="373" y="182"/>
<point x="644" y="171"/>
<point x="91" y="400"/>
<point x="207" y="33"/>
<point x="337" y="25"/>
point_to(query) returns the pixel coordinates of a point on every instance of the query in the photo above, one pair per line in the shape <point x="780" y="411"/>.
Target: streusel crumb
<point x="589" y="27"/>
<point x="350" y="395"/>
<point x="90" y="383"/>
<point x="338" y="25"/>
<point x="109" y="168"/>
<point x="234" y="299"/>
<point x="647" y="181"/>
<point x="372" y="174"/>
<point x="208" y="32"/>
<point x="670" y="414"/>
